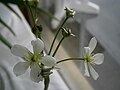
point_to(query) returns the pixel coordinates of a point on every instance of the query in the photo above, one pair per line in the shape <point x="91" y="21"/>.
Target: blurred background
<point x="99" y="18"/>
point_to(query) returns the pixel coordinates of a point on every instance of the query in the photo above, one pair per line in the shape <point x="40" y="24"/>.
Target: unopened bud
<point x="69" y="12"/>
<point x="66" y="32"/>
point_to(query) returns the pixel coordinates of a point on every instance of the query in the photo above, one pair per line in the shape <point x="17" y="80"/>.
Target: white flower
<point x="91" y="59"/>
<point x="32" y="60"/>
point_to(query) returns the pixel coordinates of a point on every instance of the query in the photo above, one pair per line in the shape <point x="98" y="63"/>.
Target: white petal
<point x="35" y="74"/>
<point x="20" y="68"/>
<point x="99" y="58"/>
<point x="20" y="51"/>
<point x="92" y="44"/>
<point x="86" y="69"/>
<point x="87" y="50"/>
<point x="38" y="45"/>
<point x="93" y="73"/>
<point x="49" y="61"/>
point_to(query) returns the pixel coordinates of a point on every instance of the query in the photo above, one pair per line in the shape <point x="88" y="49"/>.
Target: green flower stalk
<point x="69" y="59"/>
<point x="69" y="13"/>
<point x="66" y="32"/>
<point x="57" y="35"/>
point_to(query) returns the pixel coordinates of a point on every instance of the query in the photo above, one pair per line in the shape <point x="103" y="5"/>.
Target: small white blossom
<point x="91" y="59"/>
<point x="32" y="60"/>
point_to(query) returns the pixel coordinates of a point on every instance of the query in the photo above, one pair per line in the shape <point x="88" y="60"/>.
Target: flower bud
<point x="69" y="12"/>
<point x="66" y="32"/>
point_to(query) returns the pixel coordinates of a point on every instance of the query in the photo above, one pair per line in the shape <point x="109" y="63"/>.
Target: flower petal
<point x="86" y="69"/>
<point x="93" y="73"/>
<point x="92" y="44"/>
<point x="48" y="61"/>
<point x="20" y="51"/>
<point x="38" y="45"/>
<point x="99" y="58"/>
<point x="35" y="74"/>
<point x="20" y="68"/>
<point x="87" y="50"/>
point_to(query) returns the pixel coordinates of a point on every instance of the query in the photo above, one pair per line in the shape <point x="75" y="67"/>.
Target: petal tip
<point x="96" y="78"/>
<point x="92" y="44"/>
<point x="99" y="58"/>
<point x="38" y="45"/>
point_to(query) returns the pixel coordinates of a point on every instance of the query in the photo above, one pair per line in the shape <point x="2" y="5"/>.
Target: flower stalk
<point x="69" y="59"/>
<point x="69" y="13"/>
<point x="58" y="46"/>
<point x="46" y="82"/>
<point x="33" y="19"/>
<point x="66" y="32"/>
<point x="57" y="35"/>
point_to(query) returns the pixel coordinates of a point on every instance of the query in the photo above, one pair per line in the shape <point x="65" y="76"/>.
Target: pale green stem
<point x="36" y="16"/>
<point x="68" y="59"/>
<point x="58" y="46"/>
<point x="33" y="19"/>
<point x="57" y="35"/>
<point x="46" y="82"/>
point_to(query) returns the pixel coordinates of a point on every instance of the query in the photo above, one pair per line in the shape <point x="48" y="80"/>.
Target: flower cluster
<point x="41" y="65"/>
<point x="37" y="61"/>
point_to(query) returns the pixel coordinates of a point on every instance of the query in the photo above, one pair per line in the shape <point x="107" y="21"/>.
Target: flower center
<point x="35" y="59"/>
<point x="89" y="58"/>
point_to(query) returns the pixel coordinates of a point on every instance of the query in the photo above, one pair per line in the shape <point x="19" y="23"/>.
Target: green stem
<point x="31" y="14"/>
<point x="35" y="4"/>
<point x="58" y="46"/>
<point x="57" y="35"/>
<point x="46" y="82"/>
<point x="68" y="59"/>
